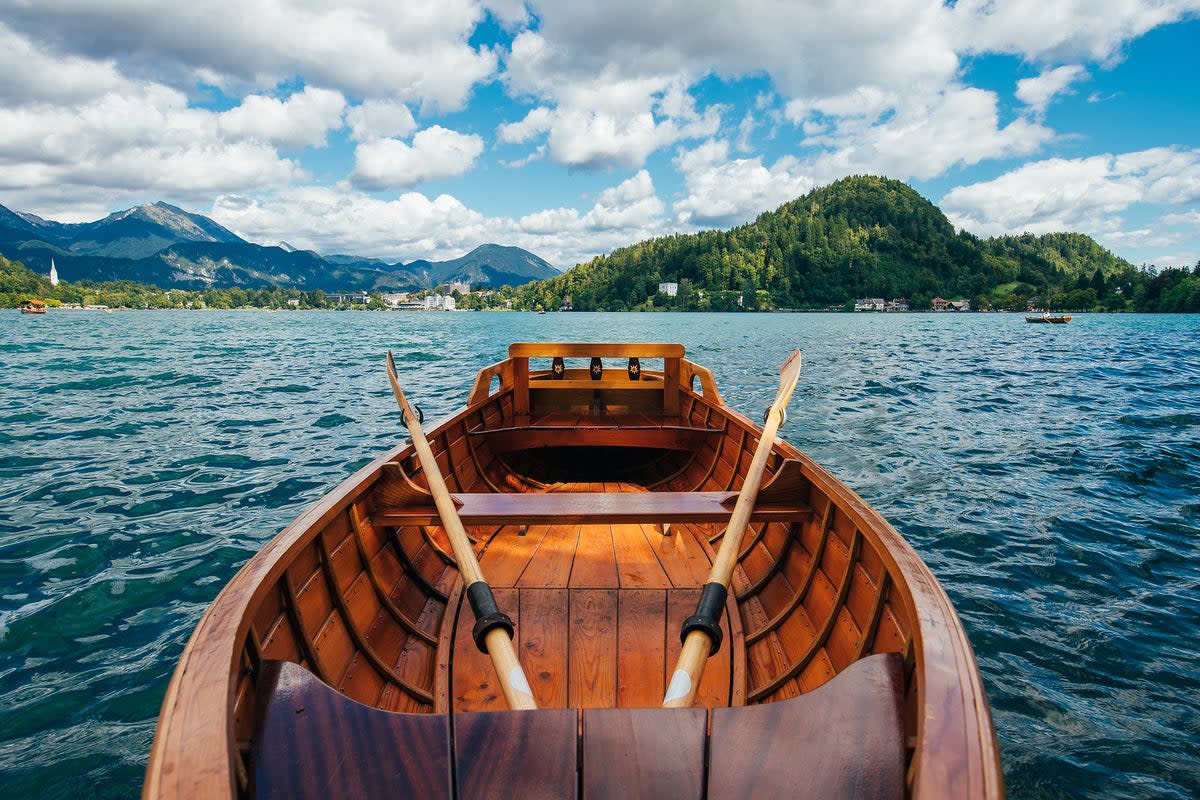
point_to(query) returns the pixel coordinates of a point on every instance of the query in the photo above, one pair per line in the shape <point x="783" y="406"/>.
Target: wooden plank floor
<point x="597" y="611"/>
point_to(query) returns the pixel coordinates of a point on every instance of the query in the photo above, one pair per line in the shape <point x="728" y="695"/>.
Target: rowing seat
<point x="843" y="740"/>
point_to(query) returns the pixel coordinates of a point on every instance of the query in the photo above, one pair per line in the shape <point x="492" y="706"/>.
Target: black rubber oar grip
<point x="707" y="616"/>
<point x="487" y="614"/>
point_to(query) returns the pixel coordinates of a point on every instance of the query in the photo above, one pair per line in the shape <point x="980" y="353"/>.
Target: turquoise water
<point x="1049" y="475"/>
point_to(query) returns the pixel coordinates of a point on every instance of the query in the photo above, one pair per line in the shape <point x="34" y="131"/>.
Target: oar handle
<point x="701" y="631"/>
<point x="493" y="629"/>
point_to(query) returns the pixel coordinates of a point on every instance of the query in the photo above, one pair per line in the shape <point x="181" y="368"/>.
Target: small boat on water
<point x="1060" y="319"/>
<point x="33" y="307"/>
<point x="574" y="517"/>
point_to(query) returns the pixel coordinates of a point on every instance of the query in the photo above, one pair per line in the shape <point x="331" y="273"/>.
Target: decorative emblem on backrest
<point x="635" y="369"/>
<point x="558" y="370"/>
<point x="597" y="369"/>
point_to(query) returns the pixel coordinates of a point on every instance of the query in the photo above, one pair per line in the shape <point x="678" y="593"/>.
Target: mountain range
<point x="163" y="245"/>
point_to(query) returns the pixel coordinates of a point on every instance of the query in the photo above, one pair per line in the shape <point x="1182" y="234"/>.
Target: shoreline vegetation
<point x="1172" y="290"/>
<point x="863" y="242"/>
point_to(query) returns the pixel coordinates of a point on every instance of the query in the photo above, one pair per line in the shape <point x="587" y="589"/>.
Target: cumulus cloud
<point x="141" y="143"/>
<point x="414" y="226"/>
<point x="808" y="47"/>
<point x="414" y="52"/>
<point x="408" y="227"/>
<point x="536" y="122"/>
<point x="1042" y="30"/>
<point x="1084" y="194"/>
<point x="724" y="192"/>
<point x="602" y="120"/>
<point x="29" y="73"/>
<point x="435" y="153"/>
<point x="379" y="119"/>
<point x="1038" y="92"/>
<point x="302" y="120"/>
<point x="925" y="137"/>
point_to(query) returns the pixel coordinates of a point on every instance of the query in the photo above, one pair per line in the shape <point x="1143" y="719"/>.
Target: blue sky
<point x="420" y="130"/>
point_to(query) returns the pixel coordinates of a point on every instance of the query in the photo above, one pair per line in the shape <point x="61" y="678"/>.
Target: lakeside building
<point x="942" y="304"/>
<point x="669" y="288"/>
<point x="879" y="304"/>
<point x="350" y="298"/>
<point x="439" y="302"/>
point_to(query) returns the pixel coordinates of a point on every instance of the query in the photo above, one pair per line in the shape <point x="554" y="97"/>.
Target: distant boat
<point x="33" y="307"/>
<point x="1048" y="317"/>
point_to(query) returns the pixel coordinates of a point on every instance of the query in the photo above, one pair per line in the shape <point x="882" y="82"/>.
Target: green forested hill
<point x="862" y="236"/>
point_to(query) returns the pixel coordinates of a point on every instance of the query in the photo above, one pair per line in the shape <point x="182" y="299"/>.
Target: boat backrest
<point x="842" y="740"/>
<point x="576" y="388"/>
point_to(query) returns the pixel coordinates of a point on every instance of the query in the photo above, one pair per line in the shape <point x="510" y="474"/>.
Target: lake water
<point x="1049" y="475"/>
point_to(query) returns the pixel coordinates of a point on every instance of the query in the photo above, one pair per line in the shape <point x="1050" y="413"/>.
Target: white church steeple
<point x="53" y="273"/>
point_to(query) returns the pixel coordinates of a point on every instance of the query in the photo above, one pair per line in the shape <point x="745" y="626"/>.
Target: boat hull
<point x="598" y="571"/>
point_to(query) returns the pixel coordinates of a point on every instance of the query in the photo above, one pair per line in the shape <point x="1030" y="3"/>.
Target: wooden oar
<point x="493" y="629"/>
<point x="702" y="631"/>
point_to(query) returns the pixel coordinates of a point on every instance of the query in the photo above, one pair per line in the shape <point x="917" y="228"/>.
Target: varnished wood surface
<point x="644" y="752"/>
<point x="374" y="604"/>
<point x="587" y="507"/>
<point x="307" y="730"/>
<point x="529" y="755"/>
<point x="844" y="740"/>
<point x="589" y="648"/>
<point x="594" y="349"/>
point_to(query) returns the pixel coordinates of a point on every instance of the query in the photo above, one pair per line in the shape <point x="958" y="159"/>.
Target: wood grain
<point x="525" y="754"/>
<point x="379" y="754"/>
<point x="643" y="752"/>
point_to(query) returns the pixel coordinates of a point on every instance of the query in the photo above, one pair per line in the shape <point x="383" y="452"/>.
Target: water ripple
<point x="1048" y="477"/>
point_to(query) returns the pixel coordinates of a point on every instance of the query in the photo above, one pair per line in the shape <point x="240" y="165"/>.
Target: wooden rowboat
<point x="1060" y="319"/>
<point x="341" y="660"/>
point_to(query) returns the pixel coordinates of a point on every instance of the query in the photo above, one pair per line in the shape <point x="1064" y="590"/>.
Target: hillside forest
<point x="864" y="237"/>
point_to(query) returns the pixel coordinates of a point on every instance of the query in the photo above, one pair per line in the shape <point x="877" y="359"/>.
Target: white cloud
<point x="602" y="120"/>
<point x="32" y="74"/>
<point x="435" y="153"/>
<point x="414" y="226"/>
<point x="926" y="136"/>
<point x="143" y="143"/>
<point x="631" y="204"/>
<point x="1084" y="194"/>
<point x="1042" y="30"/>
<point x="723" y="193"/>
<point x="416" y="52"/>
<point x="809" y="47"/>
<point x="1038" y="92"/>
<point x="409" y="227"/>
<point x="302" y="120"/>
<point x="536" y="122"/>
<point x="379" y="119"/>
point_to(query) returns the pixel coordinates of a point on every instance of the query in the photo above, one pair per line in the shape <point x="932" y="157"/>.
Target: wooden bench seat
<point x="842" y="740"/>
<point x="535" y="508"/>
<point x="597" y="433"/>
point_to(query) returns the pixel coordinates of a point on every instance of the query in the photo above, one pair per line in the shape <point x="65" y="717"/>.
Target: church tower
<point x="53" y="273"/>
